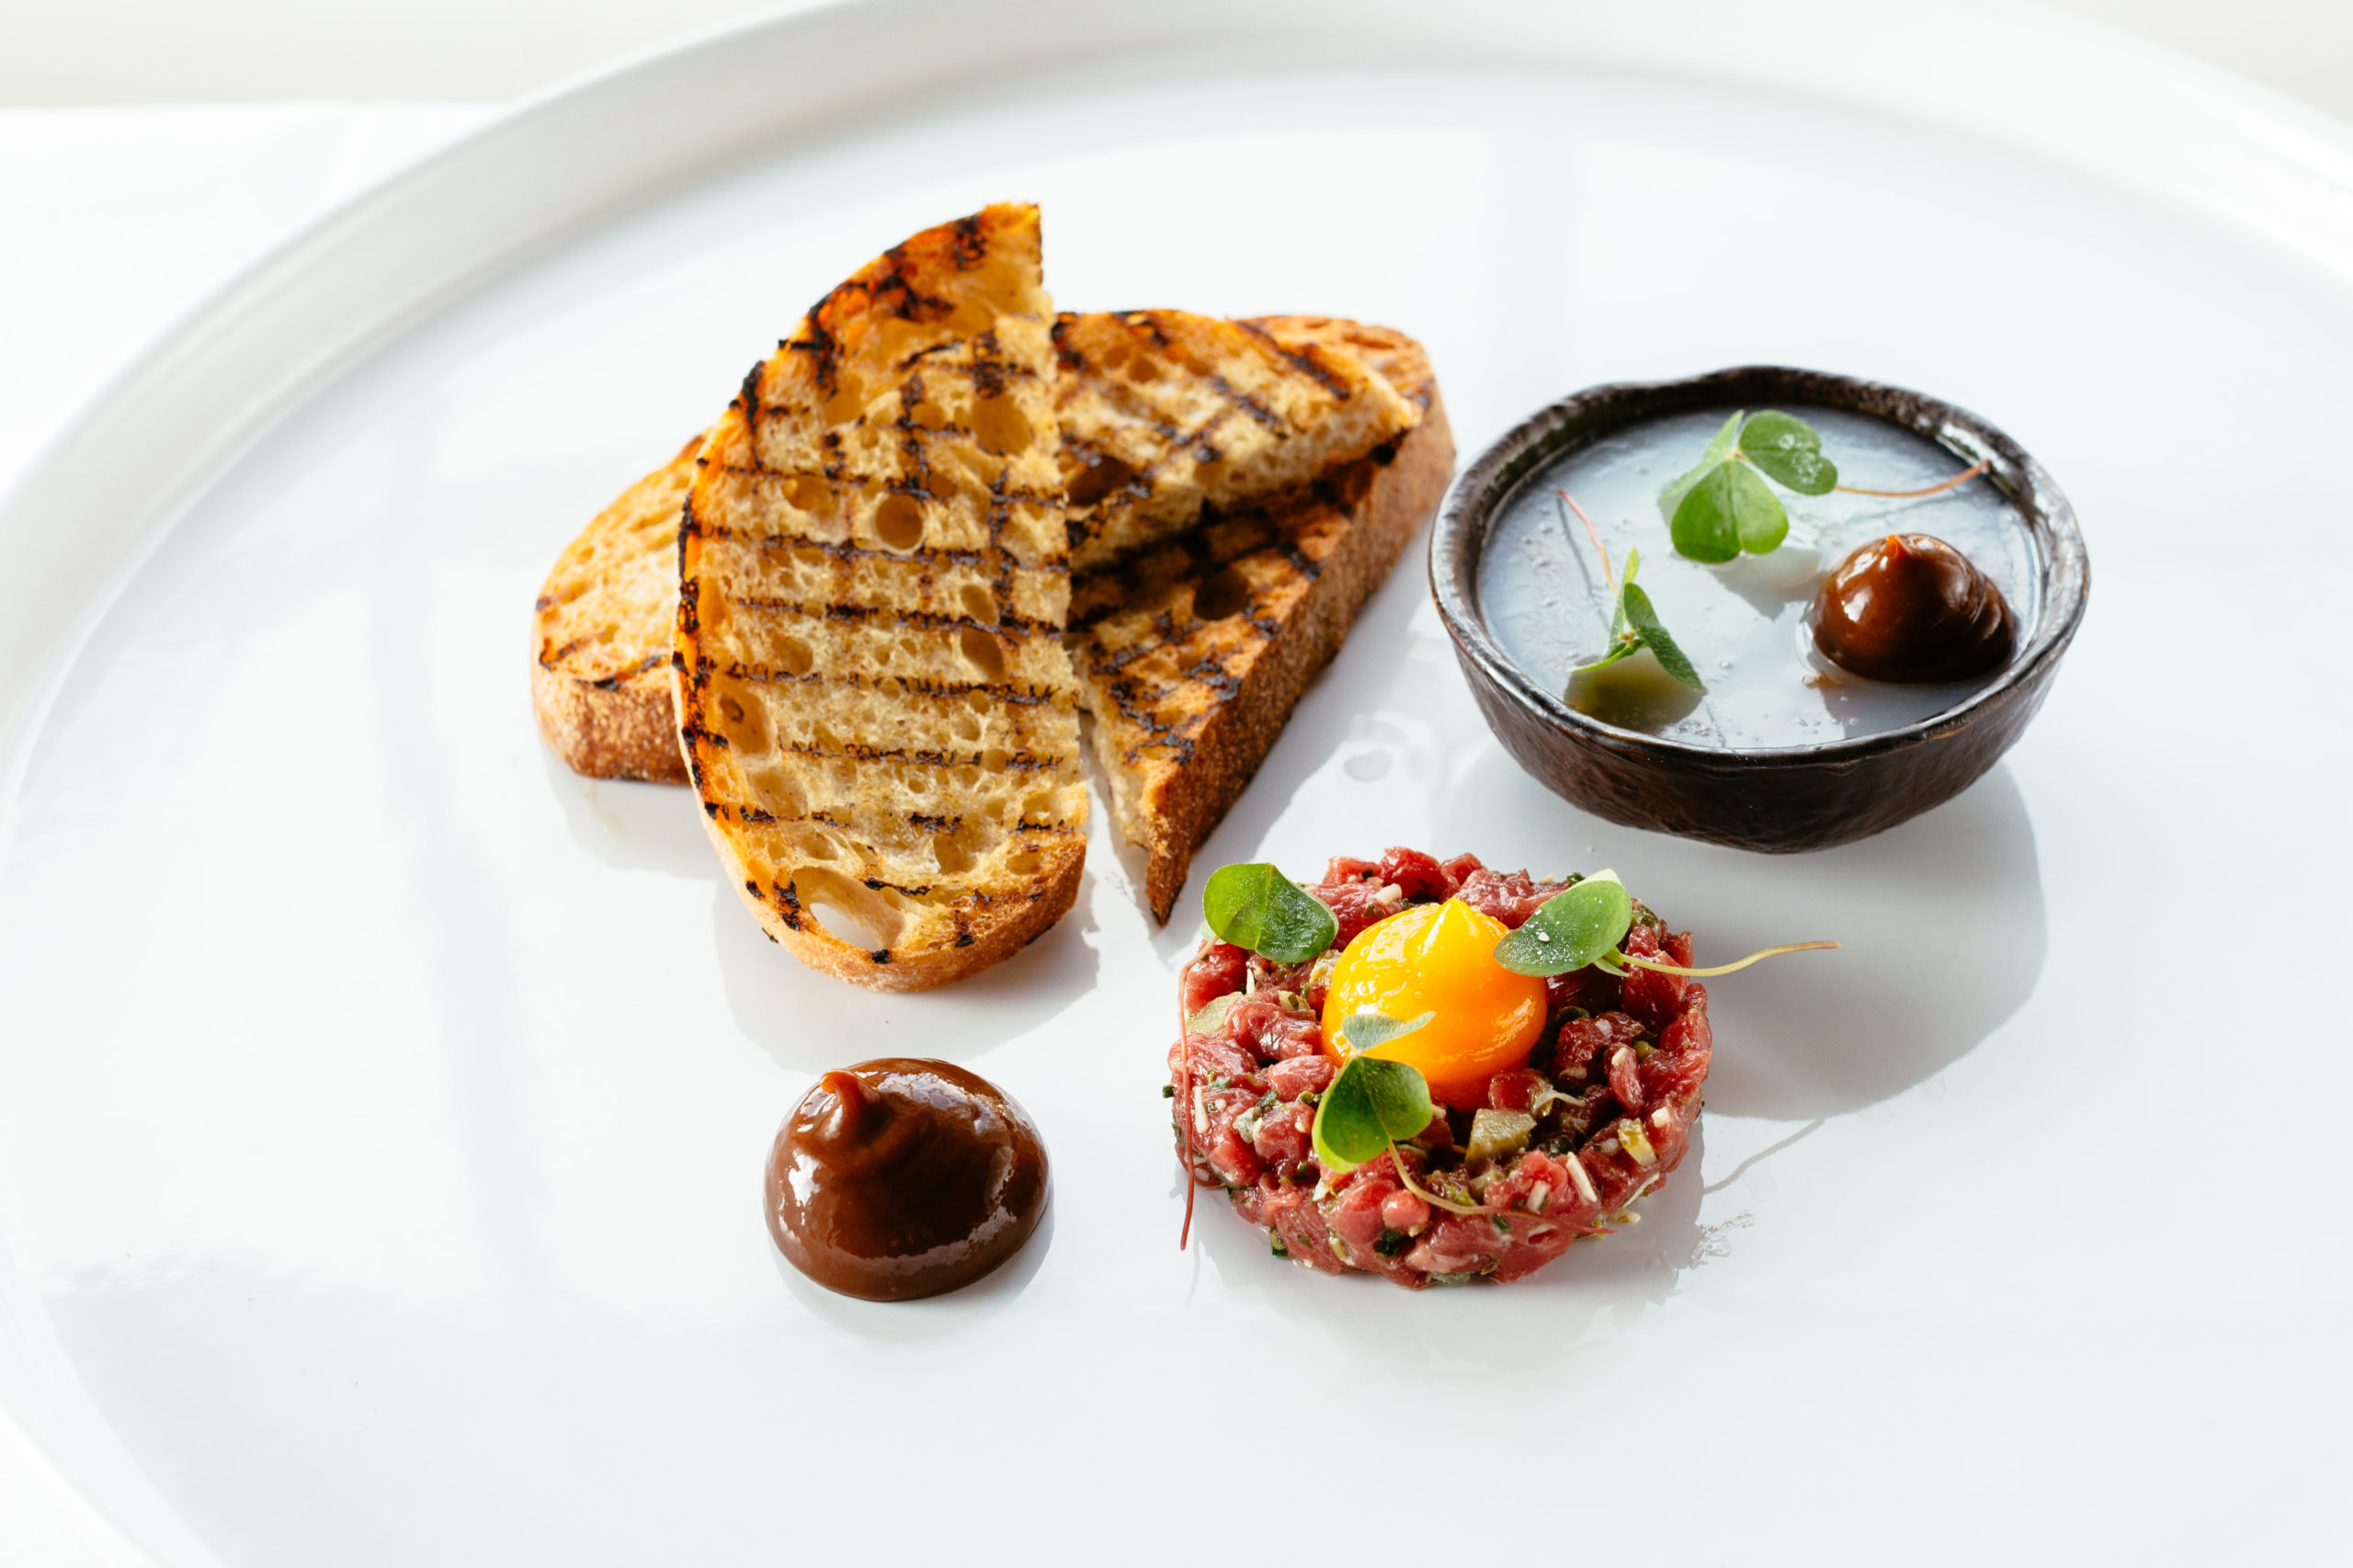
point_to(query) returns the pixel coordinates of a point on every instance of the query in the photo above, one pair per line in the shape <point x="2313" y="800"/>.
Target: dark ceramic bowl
<point x="1782" y="798"/>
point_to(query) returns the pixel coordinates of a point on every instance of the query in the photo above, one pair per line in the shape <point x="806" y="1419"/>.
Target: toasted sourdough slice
<point x="1163" y="413"/>
<point x="601" y="635"/>
<point x="1192" y="656"/>
<point x="873" y="698"/>
<point x="1144" y="398"/>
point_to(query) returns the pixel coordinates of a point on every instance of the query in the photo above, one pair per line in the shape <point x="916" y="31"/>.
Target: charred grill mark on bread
<point x="873" y="681"/>
<point x="1200" y="413"/>
<point x="1142" y="628"/>
<point x="1186" y="705"/>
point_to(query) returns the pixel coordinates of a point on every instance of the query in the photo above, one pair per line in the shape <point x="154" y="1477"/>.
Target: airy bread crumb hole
<point x="1000" y="426"/>
<point x="1022" y="862"/>
<point x="1227" y="592"/>
<point x="952" y="856"/>
<point x="778" y="793"/>
<point x="930" y="415"/>
<point x="979" y="603"/>
<point x="847" y="910"/>
<point x="1090" y="485"/>
<point x="809" y="493"/>
<point x="815" y="843"/>
<point x="743" y="720"/>
<point x="847" y="401"/>
<point x="793" y="656"/>
<point x="972" y="316"/>
<point x="898" y="522"/>
<point x="983" y="651"/>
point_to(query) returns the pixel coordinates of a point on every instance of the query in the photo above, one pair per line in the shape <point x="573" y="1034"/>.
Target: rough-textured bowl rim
<point x="1466" y="516"/>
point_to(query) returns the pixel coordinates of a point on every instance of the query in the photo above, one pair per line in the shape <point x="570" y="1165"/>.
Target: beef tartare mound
<point x="1558" y="1100"/>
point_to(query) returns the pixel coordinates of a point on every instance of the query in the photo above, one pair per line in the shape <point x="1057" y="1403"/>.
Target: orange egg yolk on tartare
<point x="1439" y="958"/>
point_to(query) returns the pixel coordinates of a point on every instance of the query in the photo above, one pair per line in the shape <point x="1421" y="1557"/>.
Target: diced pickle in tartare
<point x="1436" y="1096"/>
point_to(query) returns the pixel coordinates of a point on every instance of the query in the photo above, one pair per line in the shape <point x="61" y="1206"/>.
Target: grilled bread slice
<point x="872" y="695"/>
<point x="1163" y="413"/>
<point x="600" y="665"/>
<point x="1192" y="656"/>
<point x="1170" y="788"/>
<point x="1160" y="412"/>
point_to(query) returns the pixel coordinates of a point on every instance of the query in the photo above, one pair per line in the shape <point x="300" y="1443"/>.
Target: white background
<point x="138" y="210"/>
<point x="114" y="52"/>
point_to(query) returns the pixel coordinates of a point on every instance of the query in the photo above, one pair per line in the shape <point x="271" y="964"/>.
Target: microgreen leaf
<point x="1255" y="907"/>
<point x="1367" y="1031"/>
<point x="1373" y="1103"/>
<point x="1757" y="513"/>
<point x="1618" y="618"/>
<point x="1724" y="507"/>
<point x="1645" y="622"/>
<point x="1703" y="524"/>
<point x="1788" y="451"/>
<point x="1720" y="447"/>
<point x="1571" y="930"/>
<point x="1727" y="512"/>
<point x="1633" y="626"/>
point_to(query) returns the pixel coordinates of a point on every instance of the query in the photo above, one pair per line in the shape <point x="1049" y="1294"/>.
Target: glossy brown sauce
<point x="903" y="1177"/>
<point x="1911" y="609"/>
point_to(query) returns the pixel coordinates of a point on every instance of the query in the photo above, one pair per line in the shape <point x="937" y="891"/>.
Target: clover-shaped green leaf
<point x="1787" y="451"/>
<point x="1729" y="510"/>
<point x="1572" y="929"/>
<point x="1372" y="1104"/>
<point x="1722" y="507"/>
<point x="1255" y="907"/>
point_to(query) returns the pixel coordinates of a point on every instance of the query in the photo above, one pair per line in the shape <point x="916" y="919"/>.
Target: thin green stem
<point x="1722" y="968"/>
<point x="1432" y="1198"/>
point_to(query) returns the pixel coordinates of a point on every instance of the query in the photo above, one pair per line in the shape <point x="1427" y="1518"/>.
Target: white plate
<point x="382" y="1107"/>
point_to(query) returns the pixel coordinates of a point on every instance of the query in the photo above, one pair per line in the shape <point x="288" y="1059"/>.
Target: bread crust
<point x="998" y="929"/>
<point x="625" y="732"/>
<point x="600" y="652"/>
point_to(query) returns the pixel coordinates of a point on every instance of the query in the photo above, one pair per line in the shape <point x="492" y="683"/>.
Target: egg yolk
<point x="1439" y="958"/>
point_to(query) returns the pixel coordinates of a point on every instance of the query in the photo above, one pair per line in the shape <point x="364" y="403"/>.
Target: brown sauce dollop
<point x="1912" y="608"/>
<point x="903" y="1177"/>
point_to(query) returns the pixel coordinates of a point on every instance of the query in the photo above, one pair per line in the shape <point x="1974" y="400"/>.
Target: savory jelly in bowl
<point x="1747" y="624"/>
<point x="1742" y="729"/>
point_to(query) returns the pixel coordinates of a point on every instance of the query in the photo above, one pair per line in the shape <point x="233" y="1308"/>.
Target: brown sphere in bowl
<point x="903" y="1177"/>
<point x="1911" y="609"/>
